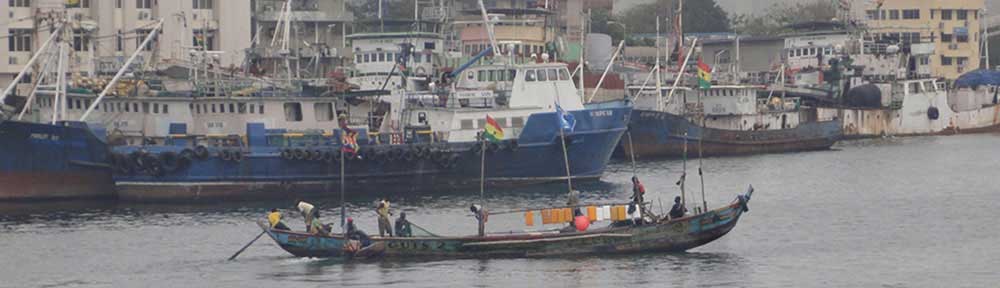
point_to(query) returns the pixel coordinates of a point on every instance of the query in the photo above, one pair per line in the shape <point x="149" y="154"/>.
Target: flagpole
<point x="482" y="170"/>
<point x="343" y="205"/>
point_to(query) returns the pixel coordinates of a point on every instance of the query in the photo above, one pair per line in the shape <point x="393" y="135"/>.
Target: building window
<point x="202" y="4"/>
<point x="80" y="41"/>
<point x="962" y="38"/>
<point x="962" y="61"/>
<point x="293" y="112"/>
<point x="945" y="61"/>
<point x="324" y="112"/>
<point x="140" y="36"/>
<point x="19" y="3"/>
<point x="962" y="14"/>
<point x="19" y="40"/>
<point x="911" y="14"/>
<point x="946" y="38"/>
<point x="945" y="14"/>
<point x="144" y="4"/>
<point x="119" y="42"/>
<point x="430" y="45"/>
<point x="894" y="14"/>
<point x="203" y="39"/>
<point x="871" y="14"/>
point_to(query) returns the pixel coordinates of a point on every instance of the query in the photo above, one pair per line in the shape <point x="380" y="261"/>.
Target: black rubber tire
<point x="169" y="161"/>
<point x="201" y="152"/>
<point x="299" y="154"/>
<point x="225" y="155"/>
<point x="287" y="154"/>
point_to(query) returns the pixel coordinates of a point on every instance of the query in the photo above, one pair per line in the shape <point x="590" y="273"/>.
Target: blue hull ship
<point x="47" y="162"/>
<point x="268" y="168"/>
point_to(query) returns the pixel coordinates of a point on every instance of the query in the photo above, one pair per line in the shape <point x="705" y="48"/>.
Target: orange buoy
<point x="581" y="223"/>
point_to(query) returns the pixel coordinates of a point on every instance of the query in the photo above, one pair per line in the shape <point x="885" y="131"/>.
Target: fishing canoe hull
<point x="669" y="236"/>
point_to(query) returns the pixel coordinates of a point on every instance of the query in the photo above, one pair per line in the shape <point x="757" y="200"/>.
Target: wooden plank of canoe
<point x="554" y="239"/>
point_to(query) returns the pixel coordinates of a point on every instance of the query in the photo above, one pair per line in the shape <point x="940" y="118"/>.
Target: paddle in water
<point x="247" y="246"/>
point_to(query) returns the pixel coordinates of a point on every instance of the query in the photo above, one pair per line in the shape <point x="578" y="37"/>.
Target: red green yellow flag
<point x="493" y="131"/>
<point x="704" y="75"/>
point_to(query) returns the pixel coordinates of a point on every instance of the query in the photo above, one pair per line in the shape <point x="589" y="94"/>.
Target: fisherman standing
<point x="384" y="226"/>
<point x="481" y="217"/>
<point x="311" y="215"/>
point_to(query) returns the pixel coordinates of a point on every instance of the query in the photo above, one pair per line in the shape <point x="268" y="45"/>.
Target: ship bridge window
<point x="491" y="75"/>
<point x="293" y="112"/>
<point x="156" y="108"/>
<point x="563" y="74"/>
<point x="381" y="57"/>
<point x="323" y="111"/>
<point x="482" y="76"/>
<point x="242" y="108"/>
<point x="542" y="76"/>
<point x="213" y="108"/>
<point x="367" y="58"/>
<point x="261" y="110"/>
<point x="467" y="124"/>
<point x="253" y="108"/>
<point x="197" y="109"/>
<point x="530" y="76"/>
<point x="553" y="74"/>
<point x="517" y="122"/>
<point x="232" y="108"/>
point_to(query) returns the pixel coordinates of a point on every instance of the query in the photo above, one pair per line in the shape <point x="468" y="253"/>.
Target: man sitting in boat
<point x="274" y="218"/>
<point x="354" y="233"/>
<point x="678" y="210"/>
<point x="481" y="217"/>
<point x="638" y="191"/>
<point x="403" y="228"/>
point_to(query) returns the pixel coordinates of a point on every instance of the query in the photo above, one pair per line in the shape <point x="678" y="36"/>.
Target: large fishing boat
<point x="437" y="145"/>
<point x="52" y="159"/>
<point x="726" y="120"/>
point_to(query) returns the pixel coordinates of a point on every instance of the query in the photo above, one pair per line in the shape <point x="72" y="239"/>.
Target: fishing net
<point x="420" y="231"/>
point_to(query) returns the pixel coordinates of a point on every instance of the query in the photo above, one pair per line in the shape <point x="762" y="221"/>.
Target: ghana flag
<point x="493" y="131"/>
<point x="704" y="75"/>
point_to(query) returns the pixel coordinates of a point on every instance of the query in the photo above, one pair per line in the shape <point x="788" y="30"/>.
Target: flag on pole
<point x="566" y="120"/>
<point x="493" y="131"/>
<point x="704" y="75"/>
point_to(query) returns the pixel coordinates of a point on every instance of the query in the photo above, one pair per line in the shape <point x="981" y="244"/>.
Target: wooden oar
<point x="247" y="246"/>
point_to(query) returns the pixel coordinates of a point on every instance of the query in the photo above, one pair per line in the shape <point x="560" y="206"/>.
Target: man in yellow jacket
<point x="274" y="218"/>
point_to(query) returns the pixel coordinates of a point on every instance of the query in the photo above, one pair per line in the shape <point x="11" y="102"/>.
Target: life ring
<point x="933" y="113"/>
<point x="299" y="154"/>
<point x="287" y="154"/>
<point x="201" y="152"/>
<point x="169" y="161"/>
<point x="421" y="70"/>
<point x="236" y="155"/>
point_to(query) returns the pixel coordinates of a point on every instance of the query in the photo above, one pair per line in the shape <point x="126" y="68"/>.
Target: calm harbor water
<point x="897" y="212"/>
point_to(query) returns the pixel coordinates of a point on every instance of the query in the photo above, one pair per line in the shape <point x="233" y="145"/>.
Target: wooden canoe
<point x="673" y="235"/>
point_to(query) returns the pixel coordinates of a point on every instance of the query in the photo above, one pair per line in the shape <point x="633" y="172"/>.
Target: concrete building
<point x="317" y="37"/>
<point x="104" y="32"/>
<point x="952" y="25"/>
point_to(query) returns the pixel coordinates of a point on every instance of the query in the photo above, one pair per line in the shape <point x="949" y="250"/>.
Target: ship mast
<point x="20" y="75"/>
<point x="118" y="76"/>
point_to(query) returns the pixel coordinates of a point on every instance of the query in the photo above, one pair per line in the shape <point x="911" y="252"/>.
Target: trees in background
<point x="773" y="21"/>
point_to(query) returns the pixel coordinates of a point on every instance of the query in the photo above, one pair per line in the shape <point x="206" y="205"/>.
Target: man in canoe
<point x="274" y="218"/>
<point x="308" y="212"/>
<point x="403" y="228"/>
<point x="353" y="233"/>
<point x="678" y="210"/>
<point x="384" y="226"/>
<point x="481" y="217"/>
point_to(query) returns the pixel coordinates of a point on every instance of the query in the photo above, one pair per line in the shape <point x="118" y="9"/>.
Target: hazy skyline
<point x="755" y="6"/>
